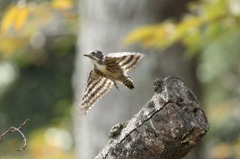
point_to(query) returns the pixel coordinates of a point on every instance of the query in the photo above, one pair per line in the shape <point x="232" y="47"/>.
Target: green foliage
<point x="206" y="22"/>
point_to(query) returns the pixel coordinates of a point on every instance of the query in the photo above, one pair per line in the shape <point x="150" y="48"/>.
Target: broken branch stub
<point x="167" y="127"/>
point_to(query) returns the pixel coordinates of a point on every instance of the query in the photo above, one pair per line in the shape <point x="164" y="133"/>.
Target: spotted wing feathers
<point x="97" y="87"/>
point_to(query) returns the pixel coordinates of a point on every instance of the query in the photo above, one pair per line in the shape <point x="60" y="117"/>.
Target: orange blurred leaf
<point x="8" y="18"/>
<point x="14" y="17"/>
<point x="21" y="18"/>
<point x="62" y="4"/>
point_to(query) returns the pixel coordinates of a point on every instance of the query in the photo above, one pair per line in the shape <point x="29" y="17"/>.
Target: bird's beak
<point x="87" y="55"/>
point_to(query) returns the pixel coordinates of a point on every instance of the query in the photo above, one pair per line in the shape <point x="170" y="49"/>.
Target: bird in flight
<point x="106" y="71"/>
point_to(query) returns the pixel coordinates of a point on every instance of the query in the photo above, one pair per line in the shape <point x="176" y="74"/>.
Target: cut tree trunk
<point x="167" y="127"/>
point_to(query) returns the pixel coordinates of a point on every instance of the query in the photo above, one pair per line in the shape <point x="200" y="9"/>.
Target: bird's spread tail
<point x="128" y="82"/>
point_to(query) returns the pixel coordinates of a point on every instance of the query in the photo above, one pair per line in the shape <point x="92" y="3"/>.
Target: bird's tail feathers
<point x="127" y="82"/>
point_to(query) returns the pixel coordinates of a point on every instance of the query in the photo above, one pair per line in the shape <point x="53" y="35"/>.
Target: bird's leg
<point x="115" y="84"/>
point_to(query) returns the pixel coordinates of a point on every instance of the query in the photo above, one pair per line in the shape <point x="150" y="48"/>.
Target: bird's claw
<point x="115" y="84"/>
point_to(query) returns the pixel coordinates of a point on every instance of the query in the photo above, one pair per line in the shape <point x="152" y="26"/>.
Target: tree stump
<point x="167" y="127"/>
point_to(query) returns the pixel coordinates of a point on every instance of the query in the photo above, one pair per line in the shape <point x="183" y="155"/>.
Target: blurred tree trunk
<point x="103" y="25"/>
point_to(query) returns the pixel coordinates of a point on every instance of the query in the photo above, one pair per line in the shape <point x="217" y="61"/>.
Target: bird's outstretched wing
<point x="97" y="87"/>
<point x="127" y="60"/>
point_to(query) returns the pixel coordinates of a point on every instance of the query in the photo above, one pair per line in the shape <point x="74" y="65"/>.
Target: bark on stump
<point x="167" y="127"/>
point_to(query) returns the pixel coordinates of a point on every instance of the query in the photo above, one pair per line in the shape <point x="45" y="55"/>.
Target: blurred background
<point x="43" y="73"/>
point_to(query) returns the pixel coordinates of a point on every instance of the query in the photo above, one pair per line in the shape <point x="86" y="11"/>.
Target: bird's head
<point x="95" y="55"/>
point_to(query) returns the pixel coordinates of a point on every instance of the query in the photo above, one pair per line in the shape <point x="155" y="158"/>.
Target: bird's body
<point x="107" y="70"/>
<point x="110" y="72"/>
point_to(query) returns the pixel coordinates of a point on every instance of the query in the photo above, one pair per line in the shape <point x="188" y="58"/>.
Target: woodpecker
<point x="106" y="71"/>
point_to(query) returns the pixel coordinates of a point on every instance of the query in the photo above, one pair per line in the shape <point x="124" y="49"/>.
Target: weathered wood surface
<point x="167" y="127"/>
